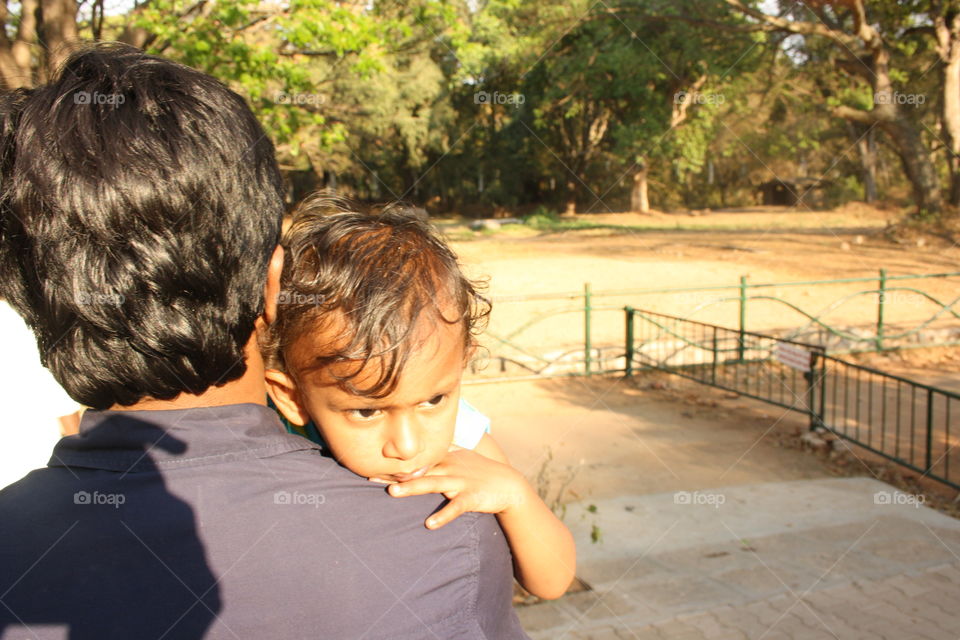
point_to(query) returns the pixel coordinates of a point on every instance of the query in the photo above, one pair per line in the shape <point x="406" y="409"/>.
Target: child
<point x="375" y="326"/>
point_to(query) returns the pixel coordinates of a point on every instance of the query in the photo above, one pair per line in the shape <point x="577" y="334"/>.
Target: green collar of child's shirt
<point x="308" y="431"/>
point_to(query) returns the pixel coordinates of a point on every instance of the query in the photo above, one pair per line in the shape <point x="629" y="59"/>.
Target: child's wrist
<point x="523" y="496"/>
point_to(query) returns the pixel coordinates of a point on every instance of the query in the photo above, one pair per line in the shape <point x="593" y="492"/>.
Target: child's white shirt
<point x="31" y="401"/>
<point x="471" y="425"/>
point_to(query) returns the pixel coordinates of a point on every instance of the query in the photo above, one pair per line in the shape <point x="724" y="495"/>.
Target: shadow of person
<point x="150" y="577"/>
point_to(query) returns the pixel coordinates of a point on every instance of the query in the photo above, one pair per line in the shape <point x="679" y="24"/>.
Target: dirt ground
<point x="591" y="439"/>
<point x="773" y="245"/>
<point x="608" y="436"/>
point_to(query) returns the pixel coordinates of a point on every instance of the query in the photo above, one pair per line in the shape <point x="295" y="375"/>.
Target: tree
<point x="945" y="18"/>
<point x="862" y="50"/>
<point x="621" y="84"/>
<point x="37" y="41"/>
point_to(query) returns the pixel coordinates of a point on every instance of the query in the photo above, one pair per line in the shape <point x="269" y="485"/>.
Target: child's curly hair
<point x="371" y="277"/>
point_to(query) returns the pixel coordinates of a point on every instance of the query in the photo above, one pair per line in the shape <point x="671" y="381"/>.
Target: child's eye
<point x="434" y="401"/>
<point x="363" y="414"/>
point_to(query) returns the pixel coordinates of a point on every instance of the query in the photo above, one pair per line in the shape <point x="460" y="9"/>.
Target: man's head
<point x="375" y="322"/>
<point x="140" y="203"/>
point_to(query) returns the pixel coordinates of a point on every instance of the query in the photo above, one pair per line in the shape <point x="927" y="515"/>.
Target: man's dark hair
<point x="140" y="202"/>
<point x="369" y="278"/>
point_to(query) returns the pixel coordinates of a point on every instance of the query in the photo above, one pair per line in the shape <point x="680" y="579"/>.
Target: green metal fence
<point x="899" y="312"/>
<point x="902" y="420"/>
<point x="777" y="371"/>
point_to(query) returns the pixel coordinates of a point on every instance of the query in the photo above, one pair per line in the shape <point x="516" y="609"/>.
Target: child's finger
<point x="450" y="512"/>
<point x="425" y="485"/>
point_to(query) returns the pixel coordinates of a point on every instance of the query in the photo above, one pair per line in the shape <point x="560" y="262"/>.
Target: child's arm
<point x="544" y="556"/>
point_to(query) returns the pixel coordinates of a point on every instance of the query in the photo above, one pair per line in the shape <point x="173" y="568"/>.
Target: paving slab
<point x="825" y="558"/>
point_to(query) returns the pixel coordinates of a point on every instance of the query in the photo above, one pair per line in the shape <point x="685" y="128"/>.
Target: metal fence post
<point x="823" y="390"/>
<point x="743" y="318"/>
<point x="713" y="368"/>
<point x="587" y="346"/>
<point x="928" y="466"/>
<point x="629" y="340"/>
<point x="810" y="377"/>
<point x="881" y="300"/>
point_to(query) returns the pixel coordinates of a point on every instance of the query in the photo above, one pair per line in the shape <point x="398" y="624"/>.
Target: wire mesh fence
<point x="580" y="333"/>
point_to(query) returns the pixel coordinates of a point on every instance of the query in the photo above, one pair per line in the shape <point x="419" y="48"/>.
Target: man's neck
<point x="249" y="388"/>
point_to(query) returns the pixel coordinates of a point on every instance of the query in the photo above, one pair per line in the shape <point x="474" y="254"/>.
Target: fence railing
<point x="532" y="336"/>
<point x="752" y="364"/>
<point x="902" y="420"/>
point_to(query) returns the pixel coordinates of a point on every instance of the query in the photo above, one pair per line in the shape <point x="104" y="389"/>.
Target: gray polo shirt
<point x="215" y="523"/>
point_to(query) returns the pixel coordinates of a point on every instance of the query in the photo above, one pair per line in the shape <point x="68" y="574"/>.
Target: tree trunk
<point x="873" y="67"/>
<point x="916" y="164"/>
<point x="869" y="161"/>
<point x="58" y="31"/>
<point x="867" y="150"/>
<point x="571" y="209"/>
<point x="638" y="195"/>
<point x="948" y="48"/>
<point x="904" y="134"/>
<point x="11" y="75"/>
<point x="951" y="134"/>
<point x="15" y="63"/>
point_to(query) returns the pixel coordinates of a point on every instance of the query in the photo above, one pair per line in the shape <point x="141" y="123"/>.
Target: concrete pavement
<point x="826" y="558"/>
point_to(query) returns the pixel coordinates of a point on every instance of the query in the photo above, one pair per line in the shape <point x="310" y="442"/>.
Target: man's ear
<point x="271" y="290"/>
<point x="283" y="391"/>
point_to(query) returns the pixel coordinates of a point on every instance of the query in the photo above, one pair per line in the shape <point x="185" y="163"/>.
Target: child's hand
<point x="471" y="482"/>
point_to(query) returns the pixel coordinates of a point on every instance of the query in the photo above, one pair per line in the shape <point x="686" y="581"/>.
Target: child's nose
<point x="405" y="441"/>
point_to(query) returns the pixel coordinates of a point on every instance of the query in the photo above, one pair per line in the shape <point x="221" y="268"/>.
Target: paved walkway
<point x="834" y="558"/>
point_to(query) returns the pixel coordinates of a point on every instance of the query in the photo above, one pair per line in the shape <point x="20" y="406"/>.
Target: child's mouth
<point x="404" y="477"/>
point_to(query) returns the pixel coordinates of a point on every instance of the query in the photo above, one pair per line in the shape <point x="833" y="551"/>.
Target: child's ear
<point x="283" y="392"/>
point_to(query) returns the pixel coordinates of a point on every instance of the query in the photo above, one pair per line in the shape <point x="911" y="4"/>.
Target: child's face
<point x="398" y="437"/>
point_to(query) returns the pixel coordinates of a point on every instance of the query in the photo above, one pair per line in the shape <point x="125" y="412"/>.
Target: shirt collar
<point x="132" y="441"/>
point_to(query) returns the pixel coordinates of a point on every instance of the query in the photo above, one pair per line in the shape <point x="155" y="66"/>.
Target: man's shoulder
<point x="252" y="540"/>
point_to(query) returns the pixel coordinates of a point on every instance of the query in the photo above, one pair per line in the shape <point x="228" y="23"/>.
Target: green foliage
<point x="843" y="189"/>
<point x="464" y="104"/>
<point x="324" y="77"/>
<point x="596" y="535"/>
<point x="542" y="217"/>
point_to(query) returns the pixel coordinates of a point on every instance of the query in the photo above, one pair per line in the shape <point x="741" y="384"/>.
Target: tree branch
<point x="798" y="27"/>
<point x="647" y="17"/>
<point x="880" y="113"/>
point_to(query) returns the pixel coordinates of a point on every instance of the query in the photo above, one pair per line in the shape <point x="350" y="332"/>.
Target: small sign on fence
<point x="793" y="356"/>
